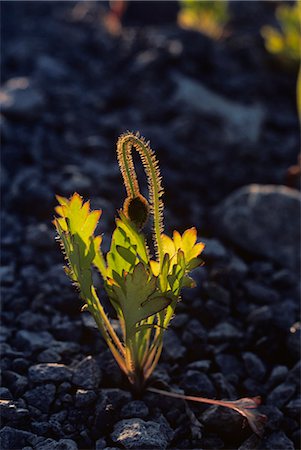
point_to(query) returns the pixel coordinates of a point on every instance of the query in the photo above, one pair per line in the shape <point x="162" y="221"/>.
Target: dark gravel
<point x="220" y="116"/>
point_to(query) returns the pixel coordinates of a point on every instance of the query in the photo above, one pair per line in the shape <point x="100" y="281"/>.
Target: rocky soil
<point x="222" y="119"/>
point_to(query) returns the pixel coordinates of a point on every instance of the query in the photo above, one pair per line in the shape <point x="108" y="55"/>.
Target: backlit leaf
<point x="168" y="245"/>
<point x="126" y="254"/>
<point x="140" y="299"/>
<point x="155" y="266"/>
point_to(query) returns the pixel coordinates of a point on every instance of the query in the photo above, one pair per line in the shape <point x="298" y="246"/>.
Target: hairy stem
<point x="150" y="164"/>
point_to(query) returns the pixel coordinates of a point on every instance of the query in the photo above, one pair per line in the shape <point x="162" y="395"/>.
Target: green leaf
<point x="164" y="273"/>
<point x="148" y="326"/>
<point x="181" y="259"/>
<point x="175" y="278"/>
<point x="118" y="279"/>
<point x="99" y="261"/>
<point x="186" y="244"/>
<point x="127" y="247"/>
<point x="140" y="299"/>
<point x="115" y="260"/>
<point x="194" y="263"/>
<point x="188" y="282"/>
<point x="76" y="226"/>
<point x="126" y="254"/>
<point x="136" y="238"/>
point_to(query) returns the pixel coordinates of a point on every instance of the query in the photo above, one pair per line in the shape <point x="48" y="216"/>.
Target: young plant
<point x="143" y="290"/>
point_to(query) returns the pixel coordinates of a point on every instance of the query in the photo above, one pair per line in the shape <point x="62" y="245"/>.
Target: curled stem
<point x="150" y="163"/>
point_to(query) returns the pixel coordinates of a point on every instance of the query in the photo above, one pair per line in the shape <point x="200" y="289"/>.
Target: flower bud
<point x="137" y="210"/>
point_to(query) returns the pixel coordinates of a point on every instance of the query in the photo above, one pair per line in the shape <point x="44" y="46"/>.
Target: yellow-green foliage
<point x="144" y="291"/>
<point x="285" y="43"/>
<point x="208" y="16"/>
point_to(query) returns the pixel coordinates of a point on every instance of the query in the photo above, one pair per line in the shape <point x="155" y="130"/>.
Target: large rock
<point x="241" y="122"/>
<point x="40" y="373"/>
<point x="265" y="220"/>
<point x="197" y="383"/>
<point x="136" y="433"/>
<point x="278" y="440"/>
<point x="41" y="397"/>
<point x="87" y="374"/>
<point x="51" y="444"/>
<point x="15" y="382"/>
<point x="281" y="395"/>
<point x="31" y="341"/>
<point x="173" y="348"/>
<point x="225" y="420"/>
<point x="10" y="438"/>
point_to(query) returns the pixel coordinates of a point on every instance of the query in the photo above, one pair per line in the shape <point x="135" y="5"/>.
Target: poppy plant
<point x="143" y="289"/>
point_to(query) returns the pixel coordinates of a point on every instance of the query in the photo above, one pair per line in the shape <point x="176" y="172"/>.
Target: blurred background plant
<point x="298" y="7"/>
<point x="284" y="43"/>
<point x="209" y="17"/>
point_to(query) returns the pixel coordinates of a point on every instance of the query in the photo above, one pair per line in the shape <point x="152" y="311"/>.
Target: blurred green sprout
<point x="285" y="43"/>
<point x="208" y="16"/>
